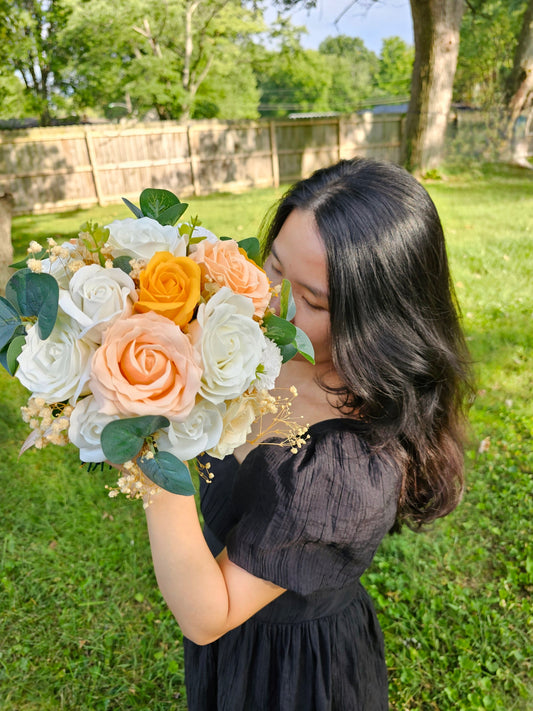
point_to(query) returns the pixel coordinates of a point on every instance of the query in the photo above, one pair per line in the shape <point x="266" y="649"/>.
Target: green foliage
<point x="287" y="307"/>
<point x="395" y="67"/>
<point x="35" y="295"/>
<point x="252" y="247"/>
<point x="293" y="81"/>
<point x="353" y="71"/>
<point x="81" y="617"/>
<point x="489" y="35"/>
<point x="156" y="64"/>
<point x="289" y="338"/>
<point x="29" y="296"/>
<point x="122" y="440"/>
<point x="9" y="321"/>
<point x="168" y="472"/>
<point x="29" y="31"/>
<point x="13" y="98"/>
<point x="229" y="90"/>
<point x="161" y="205"/>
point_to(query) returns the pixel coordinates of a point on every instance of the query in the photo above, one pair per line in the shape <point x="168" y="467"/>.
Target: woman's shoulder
<point x="332" y="501"/>
<point x="335" y="458"/>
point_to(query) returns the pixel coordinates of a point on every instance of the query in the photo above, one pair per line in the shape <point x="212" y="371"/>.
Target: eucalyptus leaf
<point x="122" y="440"/>
<point x="35" y="295"/>
<point x="168" y="472"/>
<point x="279" y="330"/>
<point x="123" y="263"/>
<point x="154" y="201"/>
<point x="13" y="352"/>
<point x="136" y="211"/>
<point x="304" y="345"/>
<point x="3" y="358"/>
<point x="9" y="322"/>
<point x="172" y="214"/>
<point x="287" y="307"/>
<point x="288" y="352"/>
<point x="252" y="248"/>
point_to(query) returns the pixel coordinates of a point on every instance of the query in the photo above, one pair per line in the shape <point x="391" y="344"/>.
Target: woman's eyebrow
<point x="318" y="293"/>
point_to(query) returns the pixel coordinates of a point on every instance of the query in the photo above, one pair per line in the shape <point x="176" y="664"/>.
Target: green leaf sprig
<point x="289" y="338"/>
<point x="126" y="440"/>
<point x="161" y="205"/>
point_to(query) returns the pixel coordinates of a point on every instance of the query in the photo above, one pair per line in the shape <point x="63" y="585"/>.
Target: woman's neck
<point x="311" y="405"/>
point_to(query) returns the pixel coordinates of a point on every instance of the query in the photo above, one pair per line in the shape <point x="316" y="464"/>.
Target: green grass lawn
<point x="82" y="624"/>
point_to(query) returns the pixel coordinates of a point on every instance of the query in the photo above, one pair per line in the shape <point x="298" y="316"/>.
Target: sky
<point x="370" y="20"/>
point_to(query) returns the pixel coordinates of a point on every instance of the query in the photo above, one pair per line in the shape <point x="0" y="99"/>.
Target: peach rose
<point x="227" y="264"/>
<point x="145" y="366"/>
<point x="170" y="286"/>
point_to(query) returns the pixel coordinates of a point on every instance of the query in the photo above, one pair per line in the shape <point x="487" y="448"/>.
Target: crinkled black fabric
<point x="309" y="522"/>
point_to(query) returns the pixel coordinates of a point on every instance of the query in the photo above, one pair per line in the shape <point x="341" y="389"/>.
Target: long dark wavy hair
<point x="397" y="343"/>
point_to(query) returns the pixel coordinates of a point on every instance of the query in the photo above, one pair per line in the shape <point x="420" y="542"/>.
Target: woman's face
<point x="298" y="254"/>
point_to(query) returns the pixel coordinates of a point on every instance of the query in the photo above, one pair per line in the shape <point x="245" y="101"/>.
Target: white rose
<point x="96" y="297"/>
<point x="268" y="370"/>
<point x="231" y="345"/>
<point x="238" y="420"/>
<point x="58" y="268"/>
<point x="86" y="425"/>
<point x="141" y="238"/>
<point x="58" y="368"/>
<point x="200" y="431"/>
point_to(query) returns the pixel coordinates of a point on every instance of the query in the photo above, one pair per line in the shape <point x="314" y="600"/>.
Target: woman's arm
<point x="207" y="596"/>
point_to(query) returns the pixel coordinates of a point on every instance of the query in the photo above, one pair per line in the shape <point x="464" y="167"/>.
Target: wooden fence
<point x="53" y="169"/>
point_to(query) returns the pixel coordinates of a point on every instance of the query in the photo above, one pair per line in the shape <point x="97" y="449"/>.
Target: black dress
<point x="309" y="522"/>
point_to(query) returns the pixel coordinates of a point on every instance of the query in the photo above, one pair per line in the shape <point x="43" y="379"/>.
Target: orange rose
<point x="227" y="264"/>
<point x="145" y="366"/>
<point x="170" y="286"/>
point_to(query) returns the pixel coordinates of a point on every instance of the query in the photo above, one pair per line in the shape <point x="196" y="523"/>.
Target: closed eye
<point x="315" y="307"/>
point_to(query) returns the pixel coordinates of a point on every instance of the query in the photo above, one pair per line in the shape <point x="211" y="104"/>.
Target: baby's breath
<point x="49" y="423"/>
<point x="281" y="423"/>
<point x="134" y="483"/>
<point x="35" y="265"/>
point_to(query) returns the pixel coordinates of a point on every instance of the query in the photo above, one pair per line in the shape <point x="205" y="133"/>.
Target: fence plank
<point x="94" y="168"/>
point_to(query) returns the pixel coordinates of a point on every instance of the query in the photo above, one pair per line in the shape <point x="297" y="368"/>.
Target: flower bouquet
<point x="148" y="342"/>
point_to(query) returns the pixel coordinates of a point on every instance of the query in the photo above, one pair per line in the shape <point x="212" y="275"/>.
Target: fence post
<point x="94" y="167"/>
<point x="339" y="137"/>
<point x="274" y="155"/>
<point x="192" y="162"/>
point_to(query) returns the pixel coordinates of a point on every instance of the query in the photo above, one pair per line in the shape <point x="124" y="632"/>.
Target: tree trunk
<point x="520" y="84"/>
<point x="436" y="25"/>
<point x="6" y="248"/>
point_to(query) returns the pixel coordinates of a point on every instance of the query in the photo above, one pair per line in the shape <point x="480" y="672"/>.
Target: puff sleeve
<point x="313" y="520"/>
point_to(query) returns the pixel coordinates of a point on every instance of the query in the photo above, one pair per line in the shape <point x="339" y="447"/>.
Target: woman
<point x="278" y="620"/>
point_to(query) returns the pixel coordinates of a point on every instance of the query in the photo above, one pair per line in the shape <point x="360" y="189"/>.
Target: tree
<point x="520" y="84"/>
<point x="488" y="38"/>
<point x="353" y="71"/>
<point x="436" y="30"/>
<point x="155" y="55"/>
<point x="396" y="58"/>
<point x="290" y="80"/>
<point x="229" y="91"/>
<point x="29" y="29"/>
<point x="436" y="25"/>
<point x="13" y="98"/>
